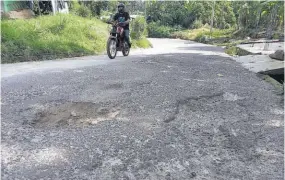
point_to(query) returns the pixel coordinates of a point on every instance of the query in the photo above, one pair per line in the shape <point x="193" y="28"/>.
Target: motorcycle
<point x="116" y="41"/>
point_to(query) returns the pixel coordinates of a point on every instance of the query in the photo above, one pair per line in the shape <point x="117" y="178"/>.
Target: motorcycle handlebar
<point x="116" y="23"/>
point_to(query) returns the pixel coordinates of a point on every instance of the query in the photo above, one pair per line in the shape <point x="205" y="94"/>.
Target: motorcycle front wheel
<point x="126" y="49"/>
<point x="112" y="48"/>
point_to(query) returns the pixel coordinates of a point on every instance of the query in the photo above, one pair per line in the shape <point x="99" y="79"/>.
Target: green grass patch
<point x="203" y="33"/>
<point x="190" y="34"/>
<point x="232" y="50"/>
<point x="219" y="37"/>
<point x="49" y="37"/>
<point x="158" y="31"/>
<point x="52" y="37"/>
<point x="141" y="43"/>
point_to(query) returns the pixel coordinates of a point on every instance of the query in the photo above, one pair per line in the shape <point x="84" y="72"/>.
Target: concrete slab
<point x="258" y="48"/>
<point x="259" y="63"/>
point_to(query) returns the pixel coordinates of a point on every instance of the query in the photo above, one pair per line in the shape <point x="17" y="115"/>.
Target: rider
<point x="123" y="18"/>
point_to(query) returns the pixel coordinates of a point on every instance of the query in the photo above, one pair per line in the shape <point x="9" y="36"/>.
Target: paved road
<point x="181" y="110"/>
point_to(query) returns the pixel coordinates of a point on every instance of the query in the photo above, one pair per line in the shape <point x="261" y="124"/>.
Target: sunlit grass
<point x="49" y="37"/>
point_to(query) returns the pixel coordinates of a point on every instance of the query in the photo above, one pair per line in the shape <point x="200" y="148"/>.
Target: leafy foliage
<point x="138" y="28"/>
<point x="197" y="24"/>
<point x="159" y="31"/>
<point x="191" y="14"/>
<point x="83" y="11"/>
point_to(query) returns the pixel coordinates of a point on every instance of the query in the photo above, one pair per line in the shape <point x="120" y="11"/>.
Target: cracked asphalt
<point x="181" y="110"/>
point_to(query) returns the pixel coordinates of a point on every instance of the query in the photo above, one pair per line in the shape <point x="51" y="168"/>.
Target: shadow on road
<point x="203" y="48"/>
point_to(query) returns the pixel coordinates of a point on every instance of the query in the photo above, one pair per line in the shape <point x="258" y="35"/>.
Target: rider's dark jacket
<point x="122" y="17"/>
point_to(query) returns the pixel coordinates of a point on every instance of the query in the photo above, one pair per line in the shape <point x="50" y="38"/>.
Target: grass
<point x="229" y="38"/>
<point x="197" y="34"/>
<point x="219" y="37"/>
<point x="51" y="37"/>
<point x="190" y="34"/>
<point x="232" y="50"/>
<point x="141" y="43"/>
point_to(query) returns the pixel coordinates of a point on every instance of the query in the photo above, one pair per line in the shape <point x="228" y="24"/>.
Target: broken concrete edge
<point x="278" y="55"/>
<point x="263" y="41"/>
<point x="278" y="86"/>
<point x="278" y="71"/>
<point x="244" y="52"/>
<point x="239" y="51"/>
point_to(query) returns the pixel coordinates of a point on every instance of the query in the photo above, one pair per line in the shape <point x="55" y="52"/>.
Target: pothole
<point x="195" y="104"/>
<point x="115" y="86"/>
<point x="74" y="114"/>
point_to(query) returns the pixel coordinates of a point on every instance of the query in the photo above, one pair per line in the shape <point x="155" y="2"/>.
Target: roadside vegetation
<point x="63" y="35"/>
<point x="83" y="31"/>
<point x="233" y="22"/>
<point x="50" y="37"/>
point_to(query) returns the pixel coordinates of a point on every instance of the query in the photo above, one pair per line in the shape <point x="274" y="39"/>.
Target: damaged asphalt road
<point x="181" y="110"/>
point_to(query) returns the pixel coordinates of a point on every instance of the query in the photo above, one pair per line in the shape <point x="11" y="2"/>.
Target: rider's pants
<point x="127" y="36"/>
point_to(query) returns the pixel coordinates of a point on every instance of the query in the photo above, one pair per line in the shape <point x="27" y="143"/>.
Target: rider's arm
<point x="115" y="19"/>
<point x="128" y="19"/>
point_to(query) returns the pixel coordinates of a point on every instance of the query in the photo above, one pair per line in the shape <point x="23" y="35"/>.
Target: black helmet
<point x="121" y="7"/>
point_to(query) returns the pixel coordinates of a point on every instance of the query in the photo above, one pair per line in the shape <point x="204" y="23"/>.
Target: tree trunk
<point x="272" y="20"/>
<point x="270" y="27"/>
<point x="223" y="18"/>
<point x="212" y="19"/>
<point x="258" y="18"/>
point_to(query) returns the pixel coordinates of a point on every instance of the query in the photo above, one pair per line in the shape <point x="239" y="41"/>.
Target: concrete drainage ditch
<point x="267" y="63"/>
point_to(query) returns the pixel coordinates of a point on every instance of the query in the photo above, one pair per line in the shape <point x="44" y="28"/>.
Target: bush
<point x="190" y="34"/>
<point x="139" y="32"/>
<point x="235" y="26"/>
<point x="79" y="10"/>
<point x="197" y="24"/>
<point x="202" y="38"/>
<point x="138" y="28"/>
<point x="227" y="26"/>
<point x="83" y="11"/>
<point x="180" y="35"/>
<point x="177" y="28"/>
<point x="188" y="21"/>
<point x="157" y="31"/>
<point x="207" y="26"/>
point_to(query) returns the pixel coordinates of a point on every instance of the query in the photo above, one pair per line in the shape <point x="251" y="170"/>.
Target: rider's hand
<point x="122" y="24"/>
